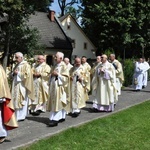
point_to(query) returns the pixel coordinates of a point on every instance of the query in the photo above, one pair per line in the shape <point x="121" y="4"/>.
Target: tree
<point x="17" y="36"/>
<point x="75" y="12"/>
<point x="63" y="4"/>
<point x="41" y="5"/>
<point x="119" y="25"/>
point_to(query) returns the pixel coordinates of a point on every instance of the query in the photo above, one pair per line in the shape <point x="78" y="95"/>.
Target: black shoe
<point x="61" y="120"/>
<point x="21" y="120"/>
<point x="138" y="90"/>
<point x="36" y="113"/>
<point x="2" y="139"/>
<point x="94" y="110"/>
<point x="30" y="112"/>
<point x="75" y="114"/>
<point x="69" y="114"/>
<point x="52" y="123"/>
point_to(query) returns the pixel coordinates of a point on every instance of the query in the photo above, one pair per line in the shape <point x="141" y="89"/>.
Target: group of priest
<point x="62" y="89"/>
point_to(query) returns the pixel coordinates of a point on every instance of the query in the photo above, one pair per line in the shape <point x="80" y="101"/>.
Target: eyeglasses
<point x="102" y="57"/>
<point x="16" y="57"/>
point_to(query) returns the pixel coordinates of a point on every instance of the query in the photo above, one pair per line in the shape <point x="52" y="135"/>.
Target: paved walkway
<point x="35" y="128"/>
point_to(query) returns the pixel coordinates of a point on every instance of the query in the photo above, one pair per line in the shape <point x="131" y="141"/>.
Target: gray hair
<point x="60" y="54"/>
<point x="112" y="55"/>
<point x="19" y="54"/>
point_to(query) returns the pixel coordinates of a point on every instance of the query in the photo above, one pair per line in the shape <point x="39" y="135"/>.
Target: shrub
<point x="128" y="68"/>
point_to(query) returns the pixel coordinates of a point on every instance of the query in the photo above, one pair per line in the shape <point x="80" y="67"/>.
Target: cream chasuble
<point x="87" y="67"/>
<point x="59" y="98"/>
<point x="119" y="75"/>
<point x="22" y="88"/>
<point x="41" y="86"/>
<point x="79" y="93"/>
<point x="104" y="85"/>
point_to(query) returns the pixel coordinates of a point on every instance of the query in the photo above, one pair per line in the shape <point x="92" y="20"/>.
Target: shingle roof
<point x="51" y="33"/>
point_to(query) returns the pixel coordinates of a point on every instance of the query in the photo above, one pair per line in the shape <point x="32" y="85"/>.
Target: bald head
<point x="77" y="61"/>
<point x="66" y="60"/>
<point x="104" y="58"/>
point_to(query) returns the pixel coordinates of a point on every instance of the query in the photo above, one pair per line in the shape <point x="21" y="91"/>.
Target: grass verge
<point x="126" y="130"/>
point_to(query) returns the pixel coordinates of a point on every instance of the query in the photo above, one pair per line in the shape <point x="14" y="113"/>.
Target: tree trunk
<point x="6" y="51"/>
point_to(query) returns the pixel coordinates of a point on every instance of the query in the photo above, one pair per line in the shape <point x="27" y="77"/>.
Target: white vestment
<point x="3" y="131"/>
<point x="138" y="76"/>
<point x="69" y="66"/>
<point x="104" y="88"/>
<point x="145" y="73"/>
<point x="54" y="84"/>
<point x="22" y="112"/>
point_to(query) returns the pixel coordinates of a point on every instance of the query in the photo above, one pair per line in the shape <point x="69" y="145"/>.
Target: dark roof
<point x="51" y="33"/>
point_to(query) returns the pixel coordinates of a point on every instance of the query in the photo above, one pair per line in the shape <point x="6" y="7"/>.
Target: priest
<point x="7" y="113"/>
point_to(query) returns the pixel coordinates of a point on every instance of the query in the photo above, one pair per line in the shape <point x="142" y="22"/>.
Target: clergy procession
<point x="62" y="89"/>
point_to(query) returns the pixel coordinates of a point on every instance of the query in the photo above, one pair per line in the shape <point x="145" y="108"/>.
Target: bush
<point x="128" y="69"/>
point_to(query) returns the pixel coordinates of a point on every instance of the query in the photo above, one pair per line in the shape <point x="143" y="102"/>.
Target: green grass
<point x="126" y="130"/>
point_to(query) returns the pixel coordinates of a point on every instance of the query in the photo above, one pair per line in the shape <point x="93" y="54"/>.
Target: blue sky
<point x="54" y="6"/>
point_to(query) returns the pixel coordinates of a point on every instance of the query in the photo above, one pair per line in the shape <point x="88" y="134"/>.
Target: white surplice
<point x="138" y="75"/>
<point x="145" y="73"/>
<point x="3" y="131"/>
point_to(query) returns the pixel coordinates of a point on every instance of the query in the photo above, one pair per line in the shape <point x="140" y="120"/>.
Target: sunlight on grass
<point x="126" y="130"/>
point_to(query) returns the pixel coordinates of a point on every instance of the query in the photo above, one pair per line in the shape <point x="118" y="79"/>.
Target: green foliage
<point x="128" y="68"/>
<point x="75" y="12"/>
<point x="118" y="25"/>
<point x="67" y="5"/>
<point x="17" y="36"/>
<point x="108" y="52"/>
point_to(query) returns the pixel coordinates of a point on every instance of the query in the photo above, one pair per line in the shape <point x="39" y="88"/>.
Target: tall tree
<point x="17" y="35"/>
<point x="75" y="12"/>
<point x="63" y="4"/>
<point x="117" y="24"/>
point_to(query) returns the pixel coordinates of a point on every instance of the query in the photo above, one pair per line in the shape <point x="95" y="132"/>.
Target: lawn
<point x="126" y="130"/>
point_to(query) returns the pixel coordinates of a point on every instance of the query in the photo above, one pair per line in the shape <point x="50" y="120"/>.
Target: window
<point x="68" y="27"/>
<point x="68" y="23"/>
<point x="73" y="43"/>
<point x="85" y="45"/>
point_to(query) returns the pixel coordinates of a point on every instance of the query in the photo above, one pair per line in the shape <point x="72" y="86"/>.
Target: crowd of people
<point x="61" y="89"/>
